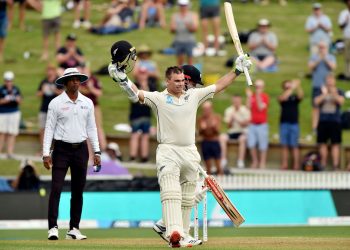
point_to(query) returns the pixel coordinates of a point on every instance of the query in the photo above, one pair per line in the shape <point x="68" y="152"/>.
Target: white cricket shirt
<point x="176" y="117"/>
<point x="71" y="122"/>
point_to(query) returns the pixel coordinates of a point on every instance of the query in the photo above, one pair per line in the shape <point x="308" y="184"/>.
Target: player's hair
<point x="173" y="70"/>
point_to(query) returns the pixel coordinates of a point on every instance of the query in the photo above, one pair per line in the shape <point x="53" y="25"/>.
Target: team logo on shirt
<point x="186" y="97"/>
<point x="169" y="99"/>
<point x="84" y="107"/>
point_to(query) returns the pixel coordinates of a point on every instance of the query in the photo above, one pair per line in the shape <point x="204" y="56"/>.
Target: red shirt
<point x="259" y="116"/>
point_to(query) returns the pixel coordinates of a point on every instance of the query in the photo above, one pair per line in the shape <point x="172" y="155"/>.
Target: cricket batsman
<point x="177" y="158"/>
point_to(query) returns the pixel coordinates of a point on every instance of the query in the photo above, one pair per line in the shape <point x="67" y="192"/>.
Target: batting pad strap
<point x="169" y="187"/>
<point x="188" y="194"/>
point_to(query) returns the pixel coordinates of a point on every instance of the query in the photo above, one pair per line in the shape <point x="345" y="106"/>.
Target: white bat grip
<point x="201" y="170"/>
<point x="247" y="76"/>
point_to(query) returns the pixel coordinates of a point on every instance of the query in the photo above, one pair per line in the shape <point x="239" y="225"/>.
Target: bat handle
<point x="249" y="80"/>
<point x="201" y="170"/>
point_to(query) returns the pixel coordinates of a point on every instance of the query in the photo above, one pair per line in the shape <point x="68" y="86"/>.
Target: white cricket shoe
<point x="76" y="24"/>
<point x="189" y="240"/>
<point x="160" y="229"/>
<point x="53" y="234"/>
<point x="75" y="234"/>
<point x="86" y="25"/>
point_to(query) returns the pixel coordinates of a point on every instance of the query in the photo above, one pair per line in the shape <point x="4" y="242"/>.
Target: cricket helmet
<point x="191" y="73"/>
<point x="123" y="55"/>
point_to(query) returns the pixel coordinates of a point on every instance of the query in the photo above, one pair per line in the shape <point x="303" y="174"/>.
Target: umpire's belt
<point x="68" y="145"/>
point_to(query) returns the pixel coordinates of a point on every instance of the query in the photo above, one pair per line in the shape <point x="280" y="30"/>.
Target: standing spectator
<point x="329" y="126"/>
<point x="10" y="115"/>
<point x="319" y="26"/>
<point x="22" y="12"/>
<point x="344" y="24"/>
<point x="262" y="45"/>
<point x="70" y="55"/>
<point x="209" y="129"/>
<point x="184" y="24"/>
<point x="210" y="11"/>
<point x="47" y="91"/>
<point x="92" y="89"/>
<point x="258" y="130"/>
<point x="152" y="14"/>
<point x="289" y="121"/>
<point x="85" y="20"/>
<point x="237" y="117"/>
<point x="3" y="25"/>
<point x="51" y="24"/>
<point x="321" y="64"/>
<point x="70" y="122"/>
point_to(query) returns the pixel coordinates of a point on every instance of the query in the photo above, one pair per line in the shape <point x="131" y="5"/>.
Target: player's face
<point x="73" y="84"/>
<point x="176" y="84"/>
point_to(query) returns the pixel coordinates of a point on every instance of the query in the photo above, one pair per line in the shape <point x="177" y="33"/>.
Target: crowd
<point x="246" y="119"/>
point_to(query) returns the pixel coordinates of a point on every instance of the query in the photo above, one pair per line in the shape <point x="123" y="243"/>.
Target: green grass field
<point x="287" y="22"/>
<point x="219" y="238"/>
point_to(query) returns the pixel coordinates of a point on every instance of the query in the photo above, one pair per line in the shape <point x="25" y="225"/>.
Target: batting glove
<point x="117" y="75"/>
<point x="242" y="62"/>
<point x="199" y="196"/>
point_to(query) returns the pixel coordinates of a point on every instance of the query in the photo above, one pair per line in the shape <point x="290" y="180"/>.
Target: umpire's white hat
<point x="69" y="72"/>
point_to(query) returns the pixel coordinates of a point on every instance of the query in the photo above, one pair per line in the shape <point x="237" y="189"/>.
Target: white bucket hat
<point x="69" y="72"/>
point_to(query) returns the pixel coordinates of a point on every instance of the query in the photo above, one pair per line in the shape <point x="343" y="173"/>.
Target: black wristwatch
<point x="98" y="153"/>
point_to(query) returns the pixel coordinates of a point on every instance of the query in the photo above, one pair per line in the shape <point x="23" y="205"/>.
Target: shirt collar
<point x="165" y="91"/>
<point x="67" y="99"/>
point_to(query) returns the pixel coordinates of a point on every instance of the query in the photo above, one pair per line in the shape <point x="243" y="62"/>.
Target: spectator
<point x="10" y="115"/>
<point x="22" y="12"/>
<point x="70" y="56"/>
<point x="184" y="24"/>
<point x="262" y="45"/>
<point x="51" y="24"/>
<point x="118" y="19"/>
<point x="258" y="130"/>
<point x="3" y="25"/>
<point x="329" y="127"/>
<point x="152" y="14"/>
<point x="146" y="70"/>
<point x="320" y="64"/>
<point x="237" y="118"/>
<point x="92" y="89"/>
<point x="319" y="26"/>
<point x="27" y="178"/>
<point x="210" y="11"/>
<point x="110" y="162"/>
<point x="289" y="121"/>
<point x="85" y="20"/>
<point x="209" y="129"/>
<point x="47" y="91"/>
<point x="344" y="24"/>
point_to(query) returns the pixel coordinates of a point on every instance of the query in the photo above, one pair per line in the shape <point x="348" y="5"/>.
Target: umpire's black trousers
<point x="76" y="157"/>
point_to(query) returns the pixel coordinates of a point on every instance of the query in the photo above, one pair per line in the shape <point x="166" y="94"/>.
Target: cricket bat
<point x="234" y="35"/>
<point x="222" y="199"/>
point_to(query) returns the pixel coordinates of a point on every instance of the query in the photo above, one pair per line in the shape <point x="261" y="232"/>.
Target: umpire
<point x="70" y="122"/>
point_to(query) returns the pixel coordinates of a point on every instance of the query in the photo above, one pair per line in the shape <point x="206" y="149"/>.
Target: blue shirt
<point x="204" y="3"/>
<point x="321" y="70"/>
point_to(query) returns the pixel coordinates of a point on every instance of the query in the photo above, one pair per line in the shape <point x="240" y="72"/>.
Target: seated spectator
<point x="209" y="129"/>
<point x="70" y="55"/>
<point x="47" y="90"/>
<point x="262" y="45"/>
<point x="184" y="25"/>
<point x="118" y="19"/>
<point x="258" y="130"/>
<point x="319" y="26"/>
<point x="237" y="118"/>
<point x="329" y="101"/>
<point x="10" y="115"/>
<point x="152" y="14"/>
<point x="27" y="179"/>
<point x="289" y="122"/>
<point x="110" y="162"/>
<point x="320" y="64"/>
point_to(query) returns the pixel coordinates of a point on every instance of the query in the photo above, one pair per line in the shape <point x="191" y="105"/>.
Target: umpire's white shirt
<point x="176" y="117"/>
<point x="71" y="122"/>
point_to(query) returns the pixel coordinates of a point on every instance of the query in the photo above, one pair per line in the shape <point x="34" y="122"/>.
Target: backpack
<point x="312" y="162"/>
